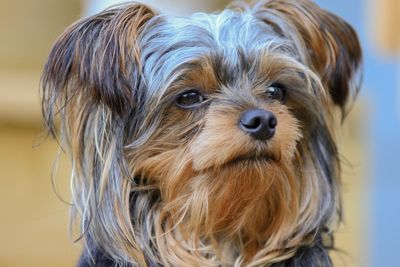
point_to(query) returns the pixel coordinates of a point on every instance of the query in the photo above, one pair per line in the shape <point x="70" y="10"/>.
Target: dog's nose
<point x="259" y="123"/>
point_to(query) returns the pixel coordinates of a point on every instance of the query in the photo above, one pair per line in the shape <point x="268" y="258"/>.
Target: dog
<point x="206" y="140"/>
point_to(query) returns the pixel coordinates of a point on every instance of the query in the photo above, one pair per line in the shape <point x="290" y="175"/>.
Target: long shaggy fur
<point x="156" y="185"/>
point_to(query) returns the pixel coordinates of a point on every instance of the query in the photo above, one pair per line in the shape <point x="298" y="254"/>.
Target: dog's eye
<point x="189" y="99"/>
<point x="276" y="91"/>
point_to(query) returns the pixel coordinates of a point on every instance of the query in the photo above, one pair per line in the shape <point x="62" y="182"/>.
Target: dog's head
<point x="207" y="139"/>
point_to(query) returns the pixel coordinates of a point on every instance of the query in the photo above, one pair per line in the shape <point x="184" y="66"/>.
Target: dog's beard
<point x="252" y="202"/>
<point x="249" y="211"/>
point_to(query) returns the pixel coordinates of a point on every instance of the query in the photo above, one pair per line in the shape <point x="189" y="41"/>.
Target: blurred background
<point x="33" y="215"/>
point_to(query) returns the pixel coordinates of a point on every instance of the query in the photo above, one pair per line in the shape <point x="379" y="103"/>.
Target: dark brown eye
<point x="277" y="92"/>
<point x="190" y="99"/>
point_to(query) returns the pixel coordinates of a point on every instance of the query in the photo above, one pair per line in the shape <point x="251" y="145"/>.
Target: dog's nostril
<point x="272" y="122"/>
<point x="251" y="122"/>
<point x="259" y="123"/>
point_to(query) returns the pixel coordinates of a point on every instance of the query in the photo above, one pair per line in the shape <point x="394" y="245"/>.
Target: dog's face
<point x="203" y="140"/>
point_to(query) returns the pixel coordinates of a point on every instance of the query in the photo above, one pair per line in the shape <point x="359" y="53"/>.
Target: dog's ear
<point x="97" y="58"/>
<point x="92" y="83"/>
<point x="331" y="47"/>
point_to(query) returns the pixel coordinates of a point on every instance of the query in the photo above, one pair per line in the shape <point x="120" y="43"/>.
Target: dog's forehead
<point x="169" y="43"/>
<point x="226" y="30"/>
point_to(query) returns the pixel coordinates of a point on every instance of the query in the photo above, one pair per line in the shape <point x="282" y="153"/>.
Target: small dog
<point x="205" y="140"/>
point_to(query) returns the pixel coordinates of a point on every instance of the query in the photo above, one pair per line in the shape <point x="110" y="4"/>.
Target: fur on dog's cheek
<point x="221" y="140"/>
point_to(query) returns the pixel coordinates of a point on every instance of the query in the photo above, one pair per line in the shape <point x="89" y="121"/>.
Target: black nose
<point x="259" y="123"/>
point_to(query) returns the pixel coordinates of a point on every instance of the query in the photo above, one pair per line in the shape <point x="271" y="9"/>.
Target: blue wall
<point x="380" y="86"/>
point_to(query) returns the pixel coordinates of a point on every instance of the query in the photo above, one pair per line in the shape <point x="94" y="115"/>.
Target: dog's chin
<point x="250" y="160"/>
<point x="243" y="161"/>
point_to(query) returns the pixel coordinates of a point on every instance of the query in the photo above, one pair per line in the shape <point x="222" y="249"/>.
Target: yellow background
<point x="33" y="220"/>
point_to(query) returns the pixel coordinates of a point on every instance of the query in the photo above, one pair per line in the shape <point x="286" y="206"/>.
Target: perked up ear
<point x="96" y="58"/>
<point x="331" y="45"/>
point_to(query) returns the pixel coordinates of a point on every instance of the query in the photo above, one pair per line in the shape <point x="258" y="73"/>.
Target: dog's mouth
<point x="247" y="158"/>
<point x="251" y="160"/>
